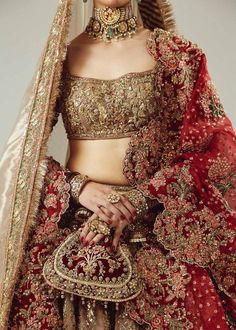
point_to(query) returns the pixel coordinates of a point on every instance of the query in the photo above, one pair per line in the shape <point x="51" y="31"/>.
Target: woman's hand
<point x="88" y="237"/>
<point x="94" y="197"/>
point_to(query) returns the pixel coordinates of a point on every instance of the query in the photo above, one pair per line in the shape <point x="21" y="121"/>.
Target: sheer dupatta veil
<point x="23" y="164"/>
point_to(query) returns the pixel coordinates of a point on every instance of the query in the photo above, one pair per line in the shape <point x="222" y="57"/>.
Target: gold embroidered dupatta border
<point x="30" y="173"/>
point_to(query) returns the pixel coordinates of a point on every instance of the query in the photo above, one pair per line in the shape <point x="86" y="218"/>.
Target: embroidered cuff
<point x="138" y="200"/>
<point x="77" y="182"/>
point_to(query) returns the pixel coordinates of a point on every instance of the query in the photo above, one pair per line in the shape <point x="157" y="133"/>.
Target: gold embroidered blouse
<point x="94" y="108"/>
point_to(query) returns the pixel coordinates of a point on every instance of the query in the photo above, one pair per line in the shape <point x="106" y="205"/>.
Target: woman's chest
<point x="96" y="108"/>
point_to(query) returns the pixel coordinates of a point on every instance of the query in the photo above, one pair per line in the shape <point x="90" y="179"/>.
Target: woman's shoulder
<point x="169" y="45"/>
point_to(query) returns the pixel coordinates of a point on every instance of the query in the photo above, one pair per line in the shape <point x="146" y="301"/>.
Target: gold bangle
<point x="138" y="200"/>
<point x="77" y="183"/>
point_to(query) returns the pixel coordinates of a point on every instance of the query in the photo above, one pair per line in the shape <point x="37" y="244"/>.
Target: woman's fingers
<point x="105" y="211"/>
<point x="85" y="229"/>
<point x="116" y="239"/>
<point x="84" y="232"/>
<point x="118" y="209"/>
<point x="127" y="209"/>
<point x="86" y="235"/>
<point x="102" y="212"/>
<point x="88" y="238"/>
<point x="96" y="194"/>
<point x="118" y="233"/>
<point x="96" y="239"/>
<point x="129" y="206"/>
<point x="99" y="212"/>
<point x="110" y="207"/>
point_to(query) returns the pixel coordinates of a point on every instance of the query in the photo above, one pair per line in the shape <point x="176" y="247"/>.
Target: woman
<point x="137" y="231"/>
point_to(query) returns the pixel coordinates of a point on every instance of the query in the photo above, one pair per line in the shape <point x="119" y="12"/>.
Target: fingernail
<point x="81" y="238"/>
<point x="109" y="222"/>
<point x="113" y="248"/>
<point x="92" y="243"/>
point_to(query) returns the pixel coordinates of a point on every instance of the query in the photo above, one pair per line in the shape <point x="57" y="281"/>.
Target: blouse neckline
<point x="125" y="75"/>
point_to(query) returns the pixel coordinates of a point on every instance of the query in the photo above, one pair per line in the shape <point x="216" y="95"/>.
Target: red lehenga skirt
<point x="174" y="295"/>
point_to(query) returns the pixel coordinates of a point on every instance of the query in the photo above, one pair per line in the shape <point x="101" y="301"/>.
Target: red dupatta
<point x="195" y="179"/>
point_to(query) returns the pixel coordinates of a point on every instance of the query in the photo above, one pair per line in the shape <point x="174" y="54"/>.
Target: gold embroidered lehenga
<point x="176" y="269"/>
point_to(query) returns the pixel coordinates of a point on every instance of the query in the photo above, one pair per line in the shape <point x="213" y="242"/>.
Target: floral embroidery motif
<point x="34" y="303"/>
<point x="174" y="81"/>
<point x="197" y="224"/>
<point x="93" y="272"/>
<point x="176" y="295"/>
<point x="191" y="230"/>
<point x="142" y="155"/>
<point x="209" y="101"/>
<point x="224" y="272"/>
<point x="97" y="108"/>
<point x="220" y="174"/>
<point x="165" y="290"/>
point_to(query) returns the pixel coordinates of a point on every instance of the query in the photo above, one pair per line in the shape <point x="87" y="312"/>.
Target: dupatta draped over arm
<point x="192" y="171"/>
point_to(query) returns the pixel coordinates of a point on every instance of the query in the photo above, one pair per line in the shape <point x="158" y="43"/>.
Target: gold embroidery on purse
<point x="92" y="271"/>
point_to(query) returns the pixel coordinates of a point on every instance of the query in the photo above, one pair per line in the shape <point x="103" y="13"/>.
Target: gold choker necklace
<point x="112" y="23"/>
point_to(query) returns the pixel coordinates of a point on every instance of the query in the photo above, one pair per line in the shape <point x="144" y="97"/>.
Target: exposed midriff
<point x="101" y="160"/>
<point x="100" y="117"/>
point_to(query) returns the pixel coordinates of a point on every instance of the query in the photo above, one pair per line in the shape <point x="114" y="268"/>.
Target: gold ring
<point x="98" y="226"/>
<point x="113" y="197"/>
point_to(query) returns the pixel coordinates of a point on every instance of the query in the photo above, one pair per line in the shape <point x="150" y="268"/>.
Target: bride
<point x="137" y="229"/>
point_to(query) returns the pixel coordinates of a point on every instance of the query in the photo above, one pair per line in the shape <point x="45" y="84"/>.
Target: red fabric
<point x="177" y="294"/>
<point x="196" y="182"/>
<point x="34" y="303"/>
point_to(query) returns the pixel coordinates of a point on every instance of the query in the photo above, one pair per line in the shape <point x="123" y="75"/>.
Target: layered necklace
<point x="112" y="23"/>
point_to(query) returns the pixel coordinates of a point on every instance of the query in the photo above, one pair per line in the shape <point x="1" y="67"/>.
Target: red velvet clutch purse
<point x="93" y="271"/>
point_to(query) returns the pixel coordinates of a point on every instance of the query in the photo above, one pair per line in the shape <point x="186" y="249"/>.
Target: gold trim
<point x="29" y="180"/>
<point x="55" y="276"/>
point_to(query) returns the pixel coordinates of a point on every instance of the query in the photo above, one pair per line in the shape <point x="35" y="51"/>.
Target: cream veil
<point x="23" y="165"/>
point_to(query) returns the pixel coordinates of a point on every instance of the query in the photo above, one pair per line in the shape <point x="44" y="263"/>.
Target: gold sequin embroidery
<point x="96" y="108"/>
